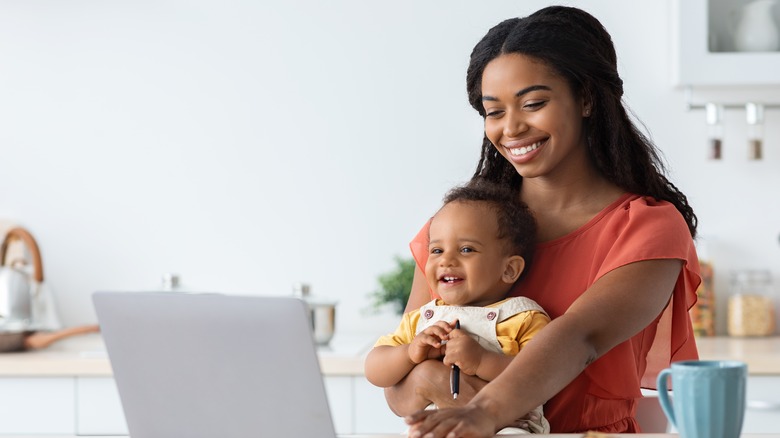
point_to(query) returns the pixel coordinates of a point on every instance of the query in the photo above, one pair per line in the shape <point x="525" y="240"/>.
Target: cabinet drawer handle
<point x="763" y="405"/>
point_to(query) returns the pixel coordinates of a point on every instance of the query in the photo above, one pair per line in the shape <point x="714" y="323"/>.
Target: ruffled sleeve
<point x="419" y="248"/>
<point x="648" y="230"/>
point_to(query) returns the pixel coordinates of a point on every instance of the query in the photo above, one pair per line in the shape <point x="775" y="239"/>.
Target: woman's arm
<point x="612" y="310"/>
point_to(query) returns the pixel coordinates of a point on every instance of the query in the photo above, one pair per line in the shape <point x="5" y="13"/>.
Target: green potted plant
<point x="395" y="285"/>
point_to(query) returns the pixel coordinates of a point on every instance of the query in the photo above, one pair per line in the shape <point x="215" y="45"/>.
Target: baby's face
<point x="466" y="260"/>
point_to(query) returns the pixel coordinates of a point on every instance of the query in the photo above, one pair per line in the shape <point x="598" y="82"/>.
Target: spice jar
<point x="751" y="308"/>
<point x="702" y="313"/>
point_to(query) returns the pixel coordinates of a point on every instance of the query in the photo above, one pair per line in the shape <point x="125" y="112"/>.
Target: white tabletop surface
<point x="555" y="435"/>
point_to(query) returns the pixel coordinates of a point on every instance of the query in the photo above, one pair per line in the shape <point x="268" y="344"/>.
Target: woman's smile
<point x="520" y="151"/>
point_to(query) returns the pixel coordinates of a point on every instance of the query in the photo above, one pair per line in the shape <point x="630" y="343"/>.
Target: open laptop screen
<point x="208" y="365"/>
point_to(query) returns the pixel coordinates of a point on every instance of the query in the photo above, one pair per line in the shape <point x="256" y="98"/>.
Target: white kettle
<point x="755" y="29"/>
<point x="16" y="284"/>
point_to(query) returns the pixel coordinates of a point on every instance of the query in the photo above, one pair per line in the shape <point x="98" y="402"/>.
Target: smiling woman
<point x="614" y="264"/>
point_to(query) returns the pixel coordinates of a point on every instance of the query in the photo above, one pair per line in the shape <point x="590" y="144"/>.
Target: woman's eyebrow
<point x="521" y="92"/>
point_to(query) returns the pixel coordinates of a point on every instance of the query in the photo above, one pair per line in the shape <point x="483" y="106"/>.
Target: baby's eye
<point x="467" y="249"/>
<point x="436" y="251"/>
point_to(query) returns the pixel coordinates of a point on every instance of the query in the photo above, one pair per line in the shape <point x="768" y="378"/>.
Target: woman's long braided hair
<point x="575" y="45"/>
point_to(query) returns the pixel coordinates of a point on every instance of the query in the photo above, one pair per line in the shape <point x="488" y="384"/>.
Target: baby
<point x="481" y="240"/>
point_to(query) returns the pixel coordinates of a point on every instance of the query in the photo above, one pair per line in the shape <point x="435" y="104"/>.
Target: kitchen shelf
<point x="703" y="53"/>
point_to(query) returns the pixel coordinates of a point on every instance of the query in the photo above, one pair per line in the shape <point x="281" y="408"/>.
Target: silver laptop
<point x="210" y="365"/>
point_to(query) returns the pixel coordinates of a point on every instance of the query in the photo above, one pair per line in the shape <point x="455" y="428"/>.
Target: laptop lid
<point x="210" y="365"/>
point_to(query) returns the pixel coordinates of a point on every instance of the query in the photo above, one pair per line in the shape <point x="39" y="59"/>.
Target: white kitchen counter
<point x="762" y="354"/>
<point x="86" y="356"/>
<point x="554" y="435"/>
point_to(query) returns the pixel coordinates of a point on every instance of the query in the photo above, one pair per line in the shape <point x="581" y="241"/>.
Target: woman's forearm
<point x="615" y="308"/>
<point x="544" y="367"/>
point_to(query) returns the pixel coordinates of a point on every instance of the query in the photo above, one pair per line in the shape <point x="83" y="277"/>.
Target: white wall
<point x="248" y="144"/>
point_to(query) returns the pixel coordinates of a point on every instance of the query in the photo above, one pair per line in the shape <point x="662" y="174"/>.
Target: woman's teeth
<point x="525" y="149"/>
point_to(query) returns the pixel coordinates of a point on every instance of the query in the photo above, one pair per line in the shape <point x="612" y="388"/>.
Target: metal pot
<point x="322" y="314"/>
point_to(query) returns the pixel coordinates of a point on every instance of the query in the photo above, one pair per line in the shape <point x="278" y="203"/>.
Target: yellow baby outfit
<point x="505" y="326"/>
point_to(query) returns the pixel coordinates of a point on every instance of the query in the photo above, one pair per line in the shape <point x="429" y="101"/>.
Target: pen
<point x="455" y="375"/>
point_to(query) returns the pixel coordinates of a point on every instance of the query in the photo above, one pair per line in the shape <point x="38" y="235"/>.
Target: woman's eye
<point x="534" y="105"/>
<point x="492" y="114"/>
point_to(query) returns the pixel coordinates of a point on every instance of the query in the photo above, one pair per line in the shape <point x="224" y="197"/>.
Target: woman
<point x="615" y="266"/>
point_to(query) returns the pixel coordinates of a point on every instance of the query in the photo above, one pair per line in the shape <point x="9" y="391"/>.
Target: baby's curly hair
<point x="516" y="223"/>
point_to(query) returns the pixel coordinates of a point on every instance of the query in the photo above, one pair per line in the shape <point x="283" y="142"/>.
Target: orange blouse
<point x="631" y="229"/>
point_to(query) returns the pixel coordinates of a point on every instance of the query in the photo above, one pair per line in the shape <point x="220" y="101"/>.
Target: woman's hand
<point x="469" y="421"/>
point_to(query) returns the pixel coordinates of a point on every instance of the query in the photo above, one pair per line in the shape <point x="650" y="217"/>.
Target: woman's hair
<point x="516" y="223"/>
<point x="574" y="45"/>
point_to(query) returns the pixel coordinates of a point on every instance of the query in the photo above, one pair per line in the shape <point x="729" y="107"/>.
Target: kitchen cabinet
<point x="372" y="415"/>
<point x="763" y="405"/>
<point x="98" y="409"/>
<point x="703" y="50"/>
<point x="44" y="405"/>
<point x="90" y="406"/>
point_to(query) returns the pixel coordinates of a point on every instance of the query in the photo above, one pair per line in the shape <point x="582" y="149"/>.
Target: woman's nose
<point x="514" y="124"/>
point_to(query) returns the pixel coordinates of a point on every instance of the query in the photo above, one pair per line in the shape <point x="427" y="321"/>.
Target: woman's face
<point x="532" y="117"/>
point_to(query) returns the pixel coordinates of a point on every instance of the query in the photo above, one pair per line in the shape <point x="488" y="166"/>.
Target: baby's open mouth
<point x="449" y="279"/>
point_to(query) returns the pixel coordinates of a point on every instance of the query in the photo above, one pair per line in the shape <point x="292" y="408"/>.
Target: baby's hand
<point x="464" y="351"/>
<point x="429" y="343"/>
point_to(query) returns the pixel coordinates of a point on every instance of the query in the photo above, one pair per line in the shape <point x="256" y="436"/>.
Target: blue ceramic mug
<point x="709" y="397"/>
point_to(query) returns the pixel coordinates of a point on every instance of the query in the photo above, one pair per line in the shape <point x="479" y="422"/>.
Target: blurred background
<point x="249" y="145"/>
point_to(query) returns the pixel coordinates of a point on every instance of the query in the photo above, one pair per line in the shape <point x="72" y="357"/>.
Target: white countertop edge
<point x="554" y="435"/>
<point x="85" y="356"/>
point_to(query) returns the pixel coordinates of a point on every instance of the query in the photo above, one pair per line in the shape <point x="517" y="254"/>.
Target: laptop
<point x="211" y="365"/>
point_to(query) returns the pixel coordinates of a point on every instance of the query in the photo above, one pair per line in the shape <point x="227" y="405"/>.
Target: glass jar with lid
<point x="751" y="307"/>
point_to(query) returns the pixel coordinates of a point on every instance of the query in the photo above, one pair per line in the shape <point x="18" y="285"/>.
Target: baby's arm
<point x="387" y="365"/>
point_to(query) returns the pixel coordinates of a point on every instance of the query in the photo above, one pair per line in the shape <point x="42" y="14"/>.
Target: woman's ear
<point x="513" y="268"/>
<point x="587" y="102"/>
<point x="586" y="109"/>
